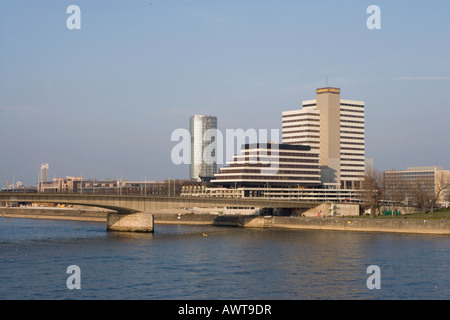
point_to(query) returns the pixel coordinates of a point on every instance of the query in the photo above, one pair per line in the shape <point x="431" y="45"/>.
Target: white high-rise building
<point x="335" y="128"/>
<point x="203" y="130"/>
<point x="44" y="172"/>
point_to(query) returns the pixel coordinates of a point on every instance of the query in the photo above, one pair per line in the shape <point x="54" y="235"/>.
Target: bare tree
<point x="422" y="192"/>
<point x="372" y="190"/>
<point x="441" y="183"/>
<point x="395" y="190"/>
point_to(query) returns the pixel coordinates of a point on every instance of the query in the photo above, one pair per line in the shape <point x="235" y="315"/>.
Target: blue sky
<point x="103" y="101"/>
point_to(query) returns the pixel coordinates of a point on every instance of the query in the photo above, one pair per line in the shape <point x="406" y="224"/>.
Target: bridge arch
<point x="133" y="213"/>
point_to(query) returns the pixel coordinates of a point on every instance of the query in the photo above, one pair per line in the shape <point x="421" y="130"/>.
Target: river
<point x="206" y="262"/>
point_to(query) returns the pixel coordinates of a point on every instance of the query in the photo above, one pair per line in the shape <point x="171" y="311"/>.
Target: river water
<point x="180" y="262"/>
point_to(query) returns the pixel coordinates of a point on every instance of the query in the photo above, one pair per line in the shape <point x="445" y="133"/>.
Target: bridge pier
<point x="132" y="222"/>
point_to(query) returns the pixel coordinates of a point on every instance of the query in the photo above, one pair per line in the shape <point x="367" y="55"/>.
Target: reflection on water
<point x="205" y="262"/>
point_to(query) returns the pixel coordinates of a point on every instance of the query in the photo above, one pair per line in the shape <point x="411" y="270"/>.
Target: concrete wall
<point x="402" y="209"/>
<point x="54" y="213"/>
<point x="135" y="222"/>
<point x="355" y="224"/>
<point x="312" y="223"/>
<point x="184" y="218"/>
<point x="328" y="209"/>
<point x="328" y="223"/>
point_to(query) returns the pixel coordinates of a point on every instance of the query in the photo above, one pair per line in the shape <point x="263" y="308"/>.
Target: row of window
<point x="351" y="154"/>
<point x="411" y="174"/>
<point x="352" y="121"/>
<point x="351" y="116"/>
<point x="352" y="165"/>
<point x="353" y="143"/>
<point x="318" y="131"/>
<point x="352" y="105"/>
<point x="353" y="160"/>
<point x="280" y="165"/>
<point x="316" y="125"/>
<point x="353" y="149"/>
<point x="271" y="177"/>
<point x="360" y="171"/>
<point x="351" y="110"/>
<point x="352" y="132"/>
<point x="300" y="131"/>
<point x="300" y="120"/>
<point x="299" y="114"/>
<point x="350" y="176"/>
<point x="316" y="172"/>
<point x="301" y="125"/>
<point x="352" y="137"/>
<point x="303" y="137"/>
<point x="278" y="154"/>
<point x="351" y="127"/>
<point x="269" y="159"/>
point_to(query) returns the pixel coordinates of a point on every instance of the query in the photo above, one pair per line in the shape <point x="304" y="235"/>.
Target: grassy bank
<point x="436" y="215"/>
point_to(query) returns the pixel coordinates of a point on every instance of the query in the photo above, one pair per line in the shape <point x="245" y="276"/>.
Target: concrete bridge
<point x="133" y="213"/>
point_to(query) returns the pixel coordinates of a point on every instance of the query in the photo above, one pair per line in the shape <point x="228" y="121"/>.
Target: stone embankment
<point x="55" y="213"/>
<point x="421" y="226"/>
<point x="356" y="224"/>
<point x="312" y="223"/>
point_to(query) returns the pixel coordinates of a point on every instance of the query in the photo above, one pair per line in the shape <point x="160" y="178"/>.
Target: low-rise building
<point x="431" y="181"/>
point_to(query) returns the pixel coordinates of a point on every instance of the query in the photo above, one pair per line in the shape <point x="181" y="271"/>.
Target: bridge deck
<point x="133" y="203"/>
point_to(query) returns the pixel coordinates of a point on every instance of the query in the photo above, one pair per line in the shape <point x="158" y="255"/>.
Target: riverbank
<point x="54" y="213"/>
<point x="420" y="226"/>
<point x="356" y="224"/>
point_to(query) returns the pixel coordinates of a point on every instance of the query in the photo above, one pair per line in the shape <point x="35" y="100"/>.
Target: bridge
<point x="133" y="213"/>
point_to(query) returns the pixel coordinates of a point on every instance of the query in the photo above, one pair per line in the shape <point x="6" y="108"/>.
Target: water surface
<point x="179" y="262"/>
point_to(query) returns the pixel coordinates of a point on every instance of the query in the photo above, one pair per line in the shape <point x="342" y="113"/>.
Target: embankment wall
<point x="422" y="226"/>
<point x="355" y="224"/>
<point x="54" y="213"/>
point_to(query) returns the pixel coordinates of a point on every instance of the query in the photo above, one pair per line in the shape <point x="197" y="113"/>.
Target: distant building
<point x="112" y="186"/>
<point x="369" y="164"/>
<point x="335" y="128"/>
<point x="44" y="172"/>
<point x="43" y="178"/>
<point x="67" y="185"/>
<point x="433" y="177"/>
<point x="202" y="130"/>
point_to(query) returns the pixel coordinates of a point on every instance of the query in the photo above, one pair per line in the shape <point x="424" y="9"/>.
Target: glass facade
<point x="203" y="146"/>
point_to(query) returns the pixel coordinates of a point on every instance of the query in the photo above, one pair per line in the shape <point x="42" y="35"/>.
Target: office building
<point x="275" y="171"/>
<point x="43" y="177"/>
<point x="335" y="128"/>
<point x="433" y="180"/>
<point x="44" y="172"/>
<point x="271" y="165"/>
<point x="203" y="164"/>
